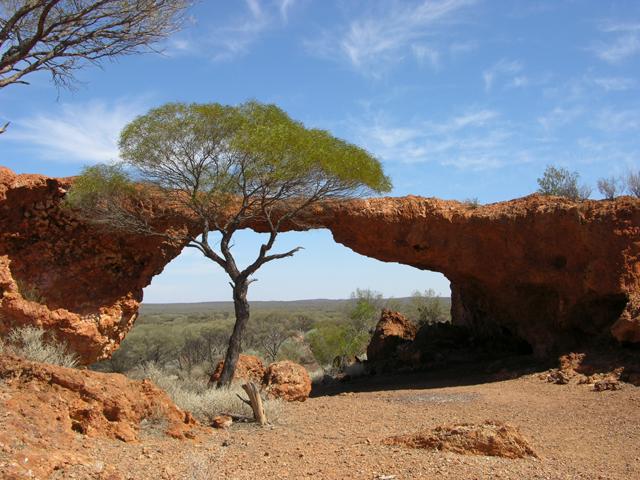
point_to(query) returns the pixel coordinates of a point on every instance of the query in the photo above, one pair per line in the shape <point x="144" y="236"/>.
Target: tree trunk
<point x="241" y="306"/>
<point x="256" y="402"/>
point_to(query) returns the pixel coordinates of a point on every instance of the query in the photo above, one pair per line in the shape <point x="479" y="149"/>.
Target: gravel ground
<point x="576" y="432"/>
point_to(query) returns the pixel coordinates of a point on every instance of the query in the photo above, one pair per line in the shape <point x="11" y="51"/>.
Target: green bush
<point x="562" y="183"/>
<point x="331" y="339"/>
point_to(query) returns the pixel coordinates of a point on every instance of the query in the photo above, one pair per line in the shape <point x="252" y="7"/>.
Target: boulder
<point x="392" y="331"/>
<point x="248" y="368"/>
<point x="288" y="381"/>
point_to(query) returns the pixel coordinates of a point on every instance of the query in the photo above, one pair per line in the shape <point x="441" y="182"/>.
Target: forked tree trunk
<point x="241" y="306"/>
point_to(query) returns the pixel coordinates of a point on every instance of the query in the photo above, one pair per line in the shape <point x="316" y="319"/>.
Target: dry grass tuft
<point x="33" y="344"/>
<point x="205" y="403"/>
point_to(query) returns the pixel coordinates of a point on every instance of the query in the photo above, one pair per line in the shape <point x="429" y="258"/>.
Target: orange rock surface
<point x="392" y="330"/>
<point x="249" y="367"/>
<point x="548" y="270"/>
<point x="288" y="381"/>
<point x="45" y="407"/>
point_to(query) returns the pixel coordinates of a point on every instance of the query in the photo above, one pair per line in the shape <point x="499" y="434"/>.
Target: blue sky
<point x="459" y="99"/>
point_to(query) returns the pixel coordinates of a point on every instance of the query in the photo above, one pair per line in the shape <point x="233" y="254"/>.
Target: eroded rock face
<point x="393" y="329"/>
<point x="550" y="271"/>
<point x="67" y="277"/>
<point x="288" y="381"/>
<point x="45" y="407"/>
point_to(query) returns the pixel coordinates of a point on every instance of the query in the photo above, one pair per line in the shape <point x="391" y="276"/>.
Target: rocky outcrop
<point x="288" y="381"/>
<point x="495" y="439"/>
<point x="549" y="271"/>
<point x="249" y="367"/>
<point x="67" y="277"/>
<point x="45" y="407"/>
<point x="393" y="330"/>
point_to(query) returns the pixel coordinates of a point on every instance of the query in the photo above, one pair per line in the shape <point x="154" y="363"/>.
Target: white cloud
<point x="371" y="42"/>
<point x="76" y="133"/>
<point x="617" y="121"/>
<point x="503" y="68"/>
<point x="284" y="7"/>
<point x="559" y="117"/>
<point x="624" y="44"/>
<point x="473" y="140"/>
<point x="233" y="38"/>
<point x="615" y="84"/>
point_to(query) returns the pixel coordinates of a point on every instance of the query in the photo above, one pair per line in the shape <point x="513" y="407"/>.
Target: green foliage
<point x="332" y="339"/>
<point x="428" y="308"/>
<point x="365" y="309"/>
<point x="563" y="183"/>
<point x="99" y="183"/>
<point x="280" y="151"/>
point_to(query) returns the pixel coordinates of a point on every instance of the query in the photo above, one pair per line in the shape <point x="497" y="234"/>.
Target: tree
<point x="633" y="183"/>
<point x="270" y="332"/>
<point x="609" y="187"/>
<point x="562" y="183"/>
<point x="365" y="309"/>
<point x="60" y="36"/>
<point x="224" y="168"/>
<point x="428" y="308"/>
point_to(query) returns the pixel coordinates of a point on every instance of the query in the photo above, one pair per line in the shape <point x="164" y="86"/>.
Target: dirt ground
<point x="577" y="434"/>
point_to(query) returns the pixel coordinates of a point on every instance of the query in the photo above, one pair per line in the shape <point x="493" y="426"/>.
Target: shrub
<point x="562" y="183"/>
<point x="609" y="187"/>
<point x="471" y="203"/>
<point x="33" y="344"/>
<point x="633" y="183"/>
<point x="332" y="339"/>
<point x="428" y="308"/>
<point x="194" y="395"/>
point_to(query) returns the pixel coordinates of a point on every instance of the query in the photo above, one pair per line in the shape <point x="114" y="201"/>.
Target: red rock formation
<point x="548" y="270"/>
<point x="249" y="367"/>
<point x="288" y="381"/>
<point x="67" y="277"/>
<point x="393" y="329"/>
<point x="44" y="407"/>
<point x="495" y="439"/>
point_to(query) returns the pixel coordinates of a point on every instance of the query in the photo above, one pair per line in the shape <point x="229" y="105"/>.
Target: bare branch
<point x="61" y="36"/>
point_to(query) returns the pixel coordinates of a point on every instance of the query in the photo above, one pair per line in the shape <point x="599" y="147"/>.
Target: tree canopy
<point x="223" y="167"/>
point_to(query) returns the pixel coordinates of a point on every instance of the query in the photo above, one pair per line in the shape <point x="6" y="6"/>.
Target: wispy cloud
<point x="76" y="133"/>
<point x="617" y="120"/>
<point x="504" y="68"/>
<point x="372" y="42"/>
<point x="622" y="41"/>
<point x="559" y="117"/>
<point x="614" y="84"/>
<point x="473" y="140"/>
<point x="237" y="35"/>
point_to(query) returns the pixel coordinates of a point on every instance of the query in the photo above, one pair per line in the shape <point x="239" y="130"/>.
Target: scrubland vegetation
<point x="561" y="182"/>
<point x="189" y="339"/>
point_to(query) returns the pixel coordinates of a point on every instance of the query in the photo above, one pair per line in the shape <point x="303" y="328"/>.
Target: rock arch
<point x="548" y="270"/>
